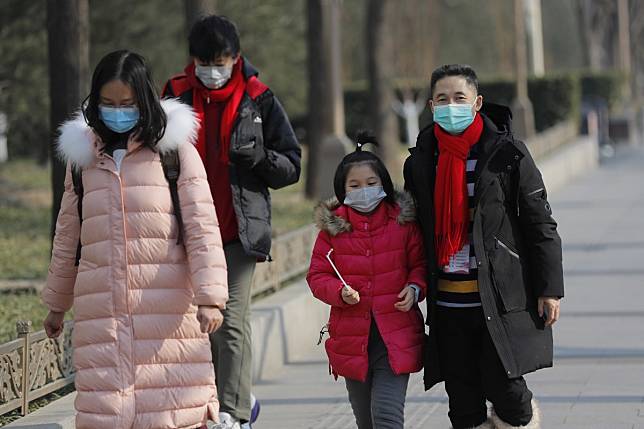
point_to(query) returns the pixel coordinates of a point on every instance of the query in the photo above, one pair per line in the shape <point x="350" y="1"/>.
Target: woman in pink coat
<point x="368" y="264"/>
<point x="143" y="300"/>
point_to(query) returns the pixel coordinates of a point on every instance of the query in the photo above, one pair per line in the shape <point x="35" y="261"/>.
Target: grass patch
<point x="25" y="205"/>
<point x="23" y="305"/>
<point x="290" y="209"/>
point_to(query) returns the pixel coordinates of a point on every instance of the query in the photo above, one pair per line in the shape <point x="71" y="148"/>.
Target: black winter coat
<point x="262" y="122"/>
<point x="515" y="239"/>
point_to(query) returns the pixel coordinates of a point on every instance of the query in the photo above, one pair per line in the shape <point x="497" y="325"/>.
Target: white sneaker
<point x="226" y="421"/>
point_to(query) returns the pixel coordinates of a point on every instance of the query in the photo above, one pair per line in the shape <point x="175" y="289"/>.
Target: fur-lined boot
<point x="535" y="423"/>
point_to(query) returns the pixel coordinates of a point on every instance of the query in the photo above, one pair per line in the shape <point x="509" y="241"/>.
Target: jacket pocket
<point x="507" y="276"/>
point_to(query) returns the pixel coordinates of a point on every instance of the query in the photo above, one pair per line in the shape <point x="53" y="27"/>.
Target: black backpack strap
<point x="171" y="169"/>
<point x="77" y="180"/>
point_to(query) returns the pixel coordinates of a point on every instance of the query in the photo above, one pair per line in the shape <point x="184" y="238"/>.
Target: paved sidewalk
<point x="598" y="378"/>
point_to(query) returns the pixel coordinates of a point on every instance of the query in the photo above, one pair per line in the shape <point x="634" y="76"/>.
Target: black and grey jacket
<point x="261" y="123"/>
<point x="515" y="239"/>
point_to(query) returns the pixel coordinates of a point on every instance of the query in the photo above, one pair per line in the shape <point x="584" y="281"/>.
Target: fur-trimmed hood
<point x="328" y="219"/>
<point x="77" y="142"/>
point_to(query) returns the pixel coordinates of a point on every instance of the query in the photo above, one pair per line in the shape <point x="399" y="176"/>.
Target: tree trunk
<point x="325" y="127"/>
<point x="381" y="91"/>
<point x="598" y="22"/>
<point x="195" y="9"/>
<point x="316" y="93"/>
<point x="68" y="43"/>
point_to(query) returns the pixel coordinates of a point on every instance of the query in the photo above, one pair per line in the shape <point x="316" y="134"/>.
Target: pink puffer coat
<point x="140" y="357"/>
<point x="377" y="255"/>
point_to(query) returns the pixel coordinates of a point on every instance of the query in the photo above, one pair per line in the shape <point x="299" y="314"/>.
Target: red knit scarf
<point x="450" y="194"/>
<point x="231" y="93"/>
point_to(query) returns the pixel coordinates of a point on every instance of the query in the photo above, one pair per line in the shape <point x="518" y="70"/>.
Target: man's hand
<point x="248" y="155"/>
<point x="550" y="307"/>
<point x="53" y="324"/>
<point x="350" y="296"/>
<point x="210" y="318"/>
<point x="407" y="297"/>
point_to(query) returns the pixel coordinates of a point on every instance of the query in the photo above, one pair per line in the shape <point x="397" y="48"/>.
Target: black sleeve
<point x="408" y="177"/>
<point x="539" y="229"/>
<point x="167" y="91"/>
<point x="281" y="166"/>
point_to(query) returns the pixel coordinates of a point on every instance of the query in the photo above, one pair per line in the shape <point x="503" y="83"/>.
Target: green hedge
<point x="605" y="85"/>
<point x="554" y="99"/>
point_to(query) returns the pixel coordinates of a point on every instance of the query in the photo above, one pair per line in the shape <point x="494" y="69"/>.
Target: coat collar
<point x="79" y="146"/>
<point x="335" y="218"/>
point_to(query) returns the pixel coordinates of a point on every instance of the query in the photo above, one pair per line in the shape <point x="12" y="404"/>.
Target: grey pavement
<point x="598" y="377"/>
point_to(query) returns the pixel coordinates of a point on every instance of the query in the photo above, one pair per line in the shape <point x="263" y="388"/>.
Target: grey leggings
<point x="378" y="403"/>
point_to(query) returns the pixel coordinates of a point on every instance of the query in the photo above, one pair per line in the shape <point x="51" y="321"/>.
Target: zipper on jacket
<point x="247" y="145"/>
<point x="127" y="281"/>
<point x="506" y="247"/>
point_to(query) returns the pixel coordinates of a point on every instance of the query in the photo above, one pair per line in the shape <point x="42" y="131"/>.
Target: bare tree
<point x="325" y="127"/>
<point x="637" y="39"/>
<point x="598" y="21"/>
<point x="195" y="9"/>
<point x="68" y="43"/>
<point x="381" y="86"/>
<point x="316" y="90"/>
<point x="415" y="29"/>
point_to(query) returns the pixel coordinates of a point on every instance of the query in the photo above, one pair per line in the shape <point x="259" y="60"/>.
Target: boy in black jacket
<point x="247" y="145"/>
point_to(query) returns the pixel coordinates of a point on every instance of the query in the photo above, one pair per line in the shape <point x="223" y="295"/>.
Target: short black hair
<point x="360" y="157"/>
<point x="131" y="69"/>
<point x="462" y="70"/>
<point x="212" y="37"/>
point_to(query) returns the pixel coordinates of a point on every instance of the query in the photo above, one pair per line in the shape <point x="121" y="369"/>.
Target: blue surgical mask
<point x="119" y="119"/>
<point x="365" y="199"/>
<point x="454" y="118"/>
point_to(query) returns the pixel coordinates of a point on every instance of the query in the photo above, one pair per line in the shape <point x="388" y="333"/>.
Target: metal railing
<point x="33" y="365"/>
<point x="291" y="253"/>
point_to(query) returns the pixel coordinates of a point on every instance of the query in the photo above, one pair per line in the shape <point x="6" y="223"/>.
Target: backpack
<point x="171" y="170"/>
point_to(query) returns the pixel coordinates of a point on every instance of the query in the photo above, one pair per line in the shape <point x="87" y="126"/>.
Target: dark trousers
<point x="231" y="344"/>
<point x="378" y="403"/>
<point x="474" y="373"/>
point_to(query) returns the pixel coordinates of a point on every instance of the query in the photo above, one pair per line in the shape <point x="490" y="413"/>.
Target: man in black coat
<point x="493" y="255"/>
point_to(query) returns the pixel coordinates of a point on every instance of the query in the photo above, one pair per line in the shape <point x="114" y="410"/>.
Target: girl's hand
<point x="407" y="297"/>
<point x="350" y="296"/>
<point x="210" y="318"/>
<point x="53" y="324"/>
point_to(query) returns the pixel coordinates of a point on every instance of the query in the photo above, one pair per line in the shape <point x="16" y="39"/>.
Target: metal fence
<point x="33" y="365"/>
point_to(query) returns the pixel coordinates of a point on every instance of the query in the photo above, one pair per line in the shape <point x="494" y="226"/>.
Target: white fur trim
<point x="182" y="126"/>
<point x="76" y="141"/>
<point x="535" y="423"/>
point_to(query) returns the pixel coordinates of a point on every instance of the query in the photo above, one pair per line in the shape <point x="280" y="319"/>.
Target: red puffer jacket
<point x="377" y="255"/>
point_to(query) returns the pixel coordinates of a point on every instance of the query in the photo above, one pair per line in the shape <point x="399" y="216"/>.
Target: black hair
<point x="363" y="157"/>
<point x="130" y="68"/>
<point x="212" y="37"/>
<point x="462" y="70"/>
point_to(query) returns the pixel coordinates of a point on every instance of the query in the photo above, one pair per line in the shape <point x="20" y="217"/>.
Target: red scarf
<point x="450" y="194"/>
<point x="231" y="93"/>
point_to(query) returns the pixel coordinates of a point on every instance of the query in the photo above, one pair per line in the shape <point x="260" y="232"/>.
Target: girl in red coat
<point x="368" y="264"/>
